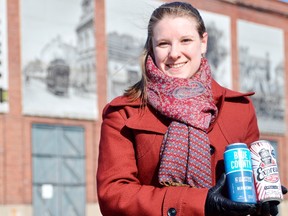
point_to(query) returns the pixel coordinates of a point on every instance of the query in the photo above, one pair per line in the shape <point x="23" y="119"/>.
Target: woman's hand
<point x="269" y="208"/>
<point x="217" y="204"/>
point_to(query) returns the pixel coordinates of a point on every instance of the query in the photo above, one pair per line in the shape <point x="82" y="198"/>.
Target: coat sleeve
<point x="120" y="191"/>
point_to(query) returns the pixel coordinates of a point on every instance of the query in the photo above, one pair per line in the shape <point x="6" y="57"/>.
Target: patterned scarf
<point x="185" y="151"/>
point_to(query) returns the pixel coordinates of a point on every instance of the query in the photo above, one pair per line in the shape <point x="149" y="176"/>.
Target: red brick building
<point x="16" y="137"/>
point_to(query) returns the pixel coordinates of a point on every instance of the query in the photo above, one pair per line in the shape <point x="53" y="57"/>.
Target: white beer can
<point x="265" y="170"/>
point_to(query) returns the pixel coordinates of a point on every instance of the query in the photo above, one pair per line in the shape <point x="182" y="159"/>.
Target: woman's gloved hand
<point x="284" y="190"/>
<point x="217" y="204"/>
<point x="269" y="208"/>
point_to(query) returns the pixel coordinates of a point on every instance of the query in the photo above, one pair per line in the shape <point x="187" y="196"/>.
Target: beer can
<point x="239" y="173"/>
<point x="266" y="175"/>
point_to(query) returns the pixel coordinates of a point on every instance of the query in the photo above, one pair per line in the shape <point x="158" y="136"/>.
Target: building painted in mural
<point x="86" y="48"/>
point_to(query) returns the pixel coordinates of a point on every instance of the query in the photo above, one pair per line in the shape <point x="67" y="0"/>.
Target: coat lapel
<point x="148" y="121"/>
<point x="221" y="95"/>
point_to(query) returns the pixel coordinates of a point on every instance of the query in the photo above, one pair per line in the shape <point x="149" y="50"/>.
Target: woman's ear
<point x="204" y="42"/>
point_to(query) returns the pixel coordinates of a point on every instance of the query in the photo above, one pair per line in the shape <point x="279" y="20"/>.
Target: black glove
<point x="217" y="204"/>
<point x="267" y="208"/>
<point x="270" y="207"/>
<point x="284" y="190"/>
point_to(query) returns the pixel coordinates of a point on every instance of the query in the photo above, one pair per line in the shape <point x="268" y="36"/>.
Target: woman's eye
<point x="186" y="40"/>
<point x="163" y="44"/>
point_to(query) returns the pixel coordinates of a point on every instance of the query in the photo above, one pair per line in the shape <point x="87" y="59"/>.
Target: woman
<point x="162" y="143"/>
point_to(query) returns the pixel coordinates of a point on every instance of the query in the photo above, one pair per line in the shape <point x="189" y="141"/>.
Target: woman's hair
<point x="173" y="9"/>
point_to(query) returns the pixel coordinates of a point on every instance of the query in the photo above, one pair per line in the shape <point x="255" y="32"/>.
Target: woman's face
<point x="177" y="46"/>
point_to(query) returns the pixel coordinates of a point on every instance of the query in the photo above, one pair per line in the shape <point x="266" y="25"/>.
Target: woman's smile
<point x="176" y="66"/>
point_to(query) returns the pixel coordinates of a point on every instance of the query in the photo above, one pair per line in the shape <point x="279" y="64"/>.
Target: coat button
<point x="212" y="150"/>
<point x="172" y="212"/>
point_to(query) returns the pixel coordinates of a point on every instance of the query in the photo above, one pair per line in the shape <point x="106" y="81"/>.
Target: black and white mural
<point x="219" y="46"/>
<point x="58" y="58"/>
<point x="3" y="57"/>
<point x="126" y="29"/>
<point x="261" y="64"/>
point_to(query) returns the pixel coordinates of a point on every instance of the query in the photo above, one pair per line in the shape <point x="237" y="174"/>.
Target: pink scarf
<point x="185" y="151"/>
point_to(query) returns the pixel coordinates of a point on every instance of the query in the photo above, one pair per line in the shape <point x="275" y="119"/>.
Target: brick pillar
<point x="12" y="122"/>
<point x="101" y="72"/>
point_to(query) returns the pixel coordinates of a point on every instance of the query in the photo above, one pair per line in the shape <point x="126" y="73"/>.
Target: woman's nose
<point x="174" y="51"/>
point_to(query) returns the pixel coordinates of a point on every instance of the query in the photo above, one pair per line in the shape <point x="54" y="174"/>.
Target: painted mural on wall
<point x="219" y="46"/>
<point x="261" y="64"/>
<point x="126" y="34"/>
<point x="58" y="58"/>
<point x="126" y="25"/>
<point x="3" y="57"/>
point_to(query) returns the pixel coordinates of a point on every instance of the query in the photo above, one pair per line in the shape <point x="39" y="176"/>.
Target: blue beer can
<point x="239" y="173"/>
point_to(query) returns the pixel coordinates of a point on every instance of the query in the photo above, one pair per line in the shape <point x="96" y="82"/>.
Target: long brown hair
<point x="174" y="9"/>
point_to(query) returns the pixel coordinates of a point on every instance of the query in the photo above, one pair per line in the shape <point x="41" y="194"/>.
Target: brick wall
<point x="15" y="129"/>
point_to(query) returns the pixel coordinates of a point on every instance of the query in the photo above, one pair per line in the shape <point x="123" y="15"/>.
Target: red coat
<point x="129" y="155"/>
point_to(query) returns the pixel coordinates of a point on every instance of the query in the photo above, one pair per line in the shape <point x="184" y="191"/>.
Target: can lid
<point x="261" y="141"/>
<point x="236" y="145"/>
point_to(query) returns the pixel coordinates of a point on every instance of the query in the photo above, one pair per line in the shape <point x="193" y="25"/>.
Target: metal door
<point x="58" y="158"/>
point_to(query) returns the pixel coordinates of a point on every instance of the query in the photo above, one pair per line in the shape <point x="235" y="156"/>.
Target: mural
<point x="261" y="63"/>
<point x="126" y="25"/>
<point x="219" y="46"/>
<point x="3" y="57"/>
<point x="58" y="58"/>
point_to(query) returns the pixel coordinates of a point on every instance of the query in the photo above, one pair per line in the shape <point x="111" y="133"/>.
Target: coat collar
<point x="150" y="120"/>
<point x="218" y="92"/>
<point x="147" y="119"/>
<point x="157" y="122"/>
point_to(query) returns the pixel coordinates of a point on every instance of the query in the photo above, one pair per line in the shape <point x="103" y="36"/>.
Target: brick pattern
<point x="13" y="149"/>
<point x="2" y="153"/>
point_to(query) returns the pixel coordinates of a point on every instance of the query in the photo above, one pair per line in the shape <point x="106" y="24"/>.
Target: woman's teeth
<point x="176" y="65"/>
